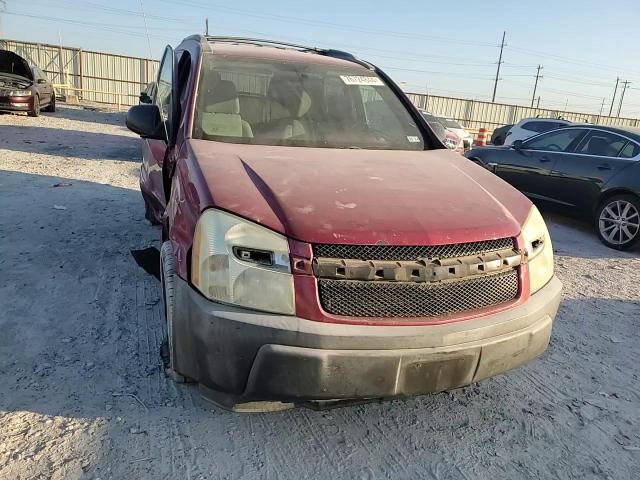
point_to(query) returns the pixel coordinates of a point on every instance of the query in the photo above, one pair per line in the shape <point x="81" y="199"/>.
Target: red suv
<point x="320" y="243"/>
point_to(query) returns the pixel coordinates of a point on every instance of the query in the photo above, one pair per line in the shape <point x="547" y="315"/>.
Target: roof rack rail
<point x="277" y="43"/>
<point x="259" y="41"/>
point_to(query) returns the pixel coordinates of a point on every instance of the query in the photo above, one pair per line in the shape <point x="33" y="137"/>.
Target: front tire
<point x="35" y="111"/>
<point x="617" y="221"/>
<point x="168" y="278"/>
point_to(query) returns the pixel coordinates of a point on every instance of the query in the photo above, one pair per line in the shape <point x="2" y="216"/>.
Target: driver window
<point x="558" y="141"/>
<point x="163" y="85"/>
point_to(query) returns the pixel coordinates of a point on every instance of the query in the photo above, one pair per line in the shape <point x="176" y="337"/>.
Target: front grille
<point x="397" y="252"/>
<point x="407" y="299"/>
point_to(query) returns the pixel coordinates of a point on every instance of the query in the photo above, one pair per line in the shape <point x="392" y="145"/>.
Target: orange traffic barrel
<point x="481" y="140"/>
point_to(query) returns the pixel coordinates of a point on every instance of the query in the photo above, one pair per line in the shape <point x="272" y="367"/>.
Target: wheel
<point x="35" y="111"/>
<point x="617" y="221"/>
<point x="52" y="105"/>
<point x="168" y="278"/>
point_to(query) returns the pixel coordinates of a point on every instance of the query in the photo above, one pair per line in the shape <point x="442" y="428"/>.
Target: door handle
<point x="545" y="159"/>
<point x="604" y="166"/>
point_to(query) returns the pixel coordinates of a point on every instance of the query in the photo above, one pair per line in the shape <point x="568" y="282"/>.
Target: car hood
<point x="13" y="64"/>
<point x="320" y="195"/>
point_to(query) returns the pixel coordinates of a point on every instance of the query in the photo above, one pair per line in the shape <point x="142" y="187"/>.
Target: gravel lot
<point x="83" y="395"/>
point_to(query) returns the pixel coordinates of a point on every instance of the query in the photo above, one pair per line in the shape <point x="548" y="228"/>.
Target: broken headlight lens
<point x="242" y="263"/>
<point x="539" y="250"/>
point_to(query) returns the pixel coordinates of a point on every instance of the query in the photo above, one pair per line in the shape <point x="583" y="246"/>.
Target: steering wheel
<point x="554" y="147"/>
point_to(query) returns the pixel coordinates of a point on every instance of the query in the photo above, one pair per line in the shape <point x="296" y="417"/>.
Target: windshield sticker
<point x="360" y="80"/>
<point x="413" y="139"/>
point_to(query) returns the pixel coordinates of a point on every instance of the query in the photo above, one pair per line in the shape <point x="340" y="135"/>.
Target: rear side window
<point x="559" y="141"/>
<point x="531" y="126"/>
<point x="630" y="150"/>
<point x="602" y="144"/>
<point x="541" y="127"/>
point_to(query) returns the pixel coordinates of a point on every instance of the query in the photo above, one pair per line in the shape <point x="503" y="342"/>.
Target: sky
<point x="447" y="48"/>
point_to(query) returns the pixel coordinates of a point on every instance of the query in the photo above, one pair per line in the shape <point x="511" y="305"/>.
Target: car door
<point x="154" y="151"/>
<point x="529" y="167"/>
<point x="40" y="87"/>
<point x="579" y="176"/>
<point x="46" y="86"/>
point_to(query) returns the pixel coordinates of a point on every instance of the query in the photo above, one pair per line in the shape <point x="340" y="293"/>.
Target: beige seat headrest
<point x="222" y="97"/>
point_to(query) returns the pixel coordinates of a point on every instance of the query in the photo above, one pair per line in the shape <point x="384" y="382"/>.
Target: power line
<point x="221" y="9"/>
<point x="574" y="61"/>
<point x="402" y="69"/>
<point x="117" y="11"/>
<point x="581" y="82"/>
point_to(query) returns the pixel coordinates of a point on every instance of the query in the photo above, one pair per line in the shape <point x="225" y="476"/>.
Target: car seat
<point x="221" y="116"/>
<point x="288" y="104"/>
<point x="600" y="146"/>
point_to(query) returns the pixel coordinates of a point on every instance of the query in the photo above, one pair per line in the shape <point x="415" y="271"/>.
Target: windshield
<point x="265" y="102"/>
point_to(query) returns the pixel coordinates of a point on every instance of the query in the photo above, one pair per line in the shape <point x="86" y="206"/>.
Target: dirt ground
<point x="83" y="394"/>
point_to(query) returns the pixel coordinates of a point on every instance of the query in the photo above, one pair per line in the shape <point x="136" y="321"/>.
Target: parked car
<point x="459" y="130"/>
<point x="319" y="244"/>
<point x="499" y="134"/>
<point x="528" y="127"/>
<point x="585" y="170"/>
<point x="446" y="136"/>
<point x="24" y="88"/>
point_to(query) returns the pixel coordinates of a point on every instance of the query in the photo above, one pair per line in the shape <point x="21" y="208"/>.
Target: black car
<point x="586" y="170"/>
<point x="500" y="134"/>
<point x="24" y="88"/>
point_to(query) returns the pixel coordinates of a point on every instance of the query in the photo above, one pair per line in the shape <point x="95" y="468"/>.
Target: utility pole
<point x="601" y="109"/>
<point x="615" y="90"/>
<point x="146" y="28"/>
<point x="3" y="7"/>
<point x="206" y="26"/>
<point x="538" y="105"/>
<point x="624" y="89"/>
<point x="426" y="95"/>
<point x="495" y="85"/>
<point x="535" y="87"/>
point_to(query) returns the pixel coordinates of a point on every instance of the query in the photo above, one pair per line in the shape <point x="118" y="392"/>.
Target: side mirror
<point x="144" y="97"/>
<point x="517" y="145"/>
<point x="41" y="80"/>
<point x="145" y="120"/>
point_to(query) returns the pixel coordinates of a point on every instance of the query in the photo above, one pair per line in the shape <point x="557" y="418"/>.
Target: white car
<point x="528" y="127"/>
<point x="455" y="127"/>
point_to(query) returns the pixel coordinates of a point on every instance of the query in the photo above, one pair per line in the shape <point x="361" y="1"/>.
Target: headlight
<point x="20" y="93"/>
<point x="539" y="250"/>
<point x="239" y="262"/>
<point x="450" y="143"/>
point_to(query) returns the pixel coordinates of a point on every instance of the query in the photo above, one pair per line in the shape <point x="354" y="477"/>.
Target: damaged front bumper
<point x="16" y="104"/>
<point x="253" y="356"/>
